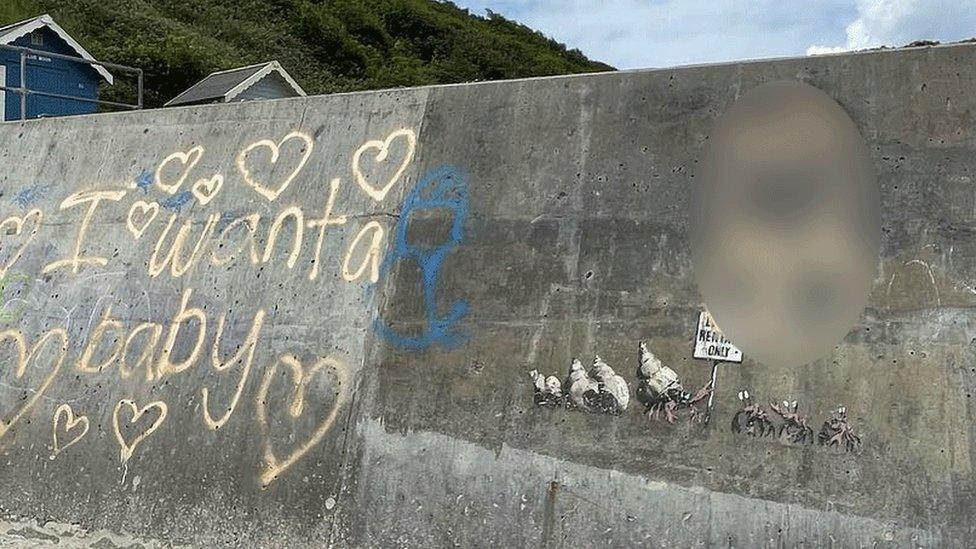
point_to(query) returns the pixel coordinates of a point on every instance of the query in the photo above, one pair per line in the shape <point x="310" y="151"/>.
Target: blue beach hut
<point x="47" y="74"/>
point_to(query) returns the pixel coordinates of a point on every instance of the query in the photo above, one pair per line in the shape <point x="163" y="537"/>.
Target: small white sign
<point x="710" y="344"/>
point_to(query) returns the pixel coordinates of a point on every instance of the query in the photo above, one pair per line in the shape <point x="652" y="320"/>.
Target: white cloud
<point x="899" y="22"/>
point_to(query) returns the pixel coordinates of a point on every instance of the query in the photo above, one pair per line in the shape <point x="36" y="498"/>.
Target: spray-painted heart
<point x="299" y="377"/>
<point x="186" y="159"/>
<point x="382" y="147"/>
<point x="272" y="192"/>
<point x="206" y="189"/>
<point x="24" y="356"/>
<point x="70" y="423"/>
<point x="128" y="447"/>
<point x="141" y="214"/>
<point x="13" y="226"/>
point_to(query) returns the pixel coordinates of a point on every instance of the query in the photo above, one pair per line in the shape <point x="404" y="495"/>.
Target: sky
<point x="632" y="34"/>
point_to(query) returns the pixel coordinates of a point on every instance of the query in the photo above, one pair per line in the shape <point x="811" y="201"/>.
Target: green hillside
<point x="327" y="45"/>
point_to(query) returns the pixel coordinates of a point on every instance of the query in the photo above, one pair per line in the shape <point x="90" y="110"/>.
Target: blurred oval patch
<point x="786" y="224"/>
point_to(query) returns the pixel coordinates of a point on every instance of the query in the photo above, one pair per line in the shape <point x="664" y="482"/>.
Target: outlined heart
<point x="207" y="189"/>
<point x="269" y="192"/>
<point x="23" y="357"/>
<point x="382" y="146"/>
<point x="69" y="424"/>
<point x="16" y="223"/>
<point x="128" y="447"/>
<point x="300" y="378"/>
<point x="187" y="159"/>
<point x="141" y="214"/>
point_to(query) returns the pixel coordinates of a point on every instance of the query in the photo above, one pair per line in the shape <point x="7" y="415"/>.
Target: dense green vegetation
<point x="327" y="45"/>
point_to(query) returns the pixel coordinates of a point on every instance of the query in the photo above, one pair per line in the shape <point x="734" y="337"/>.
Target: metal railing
<point x="24" y="91"/>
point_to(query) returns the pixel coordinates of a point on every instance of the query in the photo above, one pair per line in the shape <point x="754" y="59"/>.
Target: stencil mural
<point x="600" y="389"/>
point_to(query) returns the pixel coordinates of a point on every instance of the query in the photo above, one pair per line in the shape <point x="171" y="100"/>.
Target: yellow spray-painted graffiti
<point x="26" y="356"/>
<point x="70" y="424"/>
<point x="128" y="446"/>
<point x="147" y="352"/>
<point x="272" y="192"/>
<point x="300" y="377"/>
<point x="16" y="228"/>
<point x="188" y="160"/>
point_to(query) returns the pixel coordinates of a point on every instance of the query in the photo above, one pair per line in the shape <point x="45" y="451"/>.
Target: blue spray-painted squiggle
<point x="145" y="181"/>
<point x="442" y="188"/>
<point x="27" y="196"/>
<point x="176" y="202"/>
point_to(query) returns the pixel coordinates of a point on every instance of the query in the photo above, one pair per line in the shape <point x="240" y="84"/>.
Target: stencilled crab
<point x="794" y="428"/>
<point x="661" y="391"/>
<point x="838" y="431"/>
<point x="666" y="407"/>
<point x="752" y="419"/>
<point x="670" y="402"/>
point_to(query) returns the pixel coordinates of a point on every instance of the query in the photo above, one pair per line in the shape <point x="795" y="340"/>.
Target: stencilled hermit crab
<point x="794" y="428"/>
<point x="660" y="390"/>
<point x="752" y="419"/>
<point x="838" y="431"/>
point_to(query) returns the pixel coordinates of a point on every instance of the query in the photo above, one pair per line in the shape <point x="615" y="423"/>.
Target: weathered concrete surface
<point x="570" y="196"/>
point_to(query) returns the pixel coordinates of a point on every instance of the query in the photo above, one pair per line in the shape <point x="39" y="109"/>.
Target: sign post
<point x="711" y="345"/>
<point x="711" y="395"/>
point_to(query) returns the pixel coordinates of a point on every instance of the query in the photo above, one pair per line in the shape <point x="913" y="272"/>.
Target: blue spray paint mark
<point x="224" y="221"/>
<point x="27" y="196"/>
<point x="145" y="181"/>
<point x="442" y="188"/>
<point x="177" y="201"/>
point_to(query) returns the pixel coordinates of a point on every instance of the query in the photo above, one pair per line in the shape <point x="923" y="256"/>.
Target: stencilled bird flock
<point x="601" y="390"/>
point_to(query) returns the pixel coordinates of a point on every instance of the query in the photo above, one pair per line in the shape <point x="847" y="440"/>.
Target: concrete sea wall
<point x="312" y="321"/>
